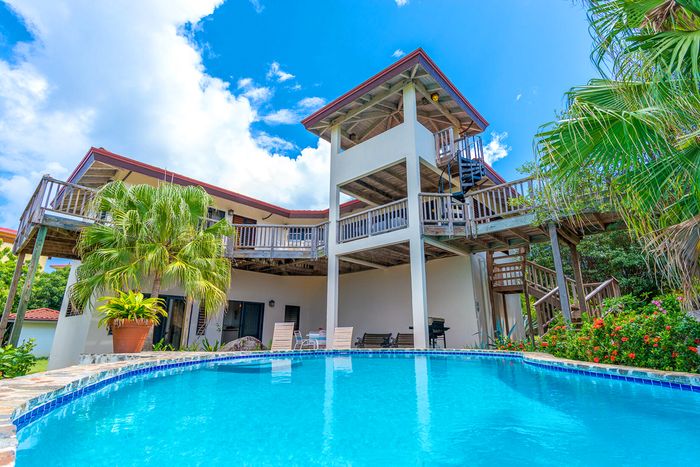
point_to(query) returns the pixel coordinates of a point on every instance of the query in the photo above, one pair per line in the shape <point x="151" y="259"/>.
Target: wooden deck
<point x="493" y="218"/>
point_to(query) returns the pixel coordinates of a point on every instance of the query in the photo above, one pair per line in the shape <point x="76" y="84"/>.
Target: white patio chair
<point x="342" y="338"/>
<point x="300" y="341"/>
<point x="282" y="336"/>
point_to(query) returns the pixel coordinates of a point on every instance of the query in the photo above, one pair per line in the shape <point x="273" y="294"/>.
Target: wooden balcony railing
<point x="62" y="199"/>
<point x="382" y="219"/>
<point x="505" y="200"/>
<point x="272" y="241"/>
<point x="598" y="292"/>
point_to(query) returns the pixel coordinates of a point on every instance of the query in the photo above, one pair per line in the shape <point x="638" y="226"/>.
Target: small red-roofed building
<point x="40" y="325"/>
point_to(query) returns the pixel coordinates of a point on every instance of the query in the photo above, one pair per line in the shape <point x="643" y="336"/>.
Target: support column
<point x="333" y="274"/>
<point x="27" y="286"/>
<point x="11" y="296"/>
<point x="489" y="274"/>
<point x="576" y="263"/>
<point x="561" y="278"/>
<point x="419" y="301"/>
<point x="526" y="295"/>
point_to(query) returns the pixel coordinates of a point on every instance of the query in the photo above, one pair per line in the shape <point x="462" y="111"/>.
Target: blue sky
<point x="512" y="59"/>
<point x="215" y="89"/>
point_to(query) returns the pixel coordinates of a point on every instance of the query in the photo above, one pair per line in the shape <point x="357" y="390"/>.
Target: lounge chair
<point x="374" y="341"/>
<point x="282" y="336"/>
<point x="342" y="338"/>
<point x="404" y="340"/>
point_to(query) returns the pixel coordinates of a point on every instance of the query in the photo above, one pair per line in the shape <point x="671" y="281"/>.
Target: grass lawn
<point x="39" y="366"/>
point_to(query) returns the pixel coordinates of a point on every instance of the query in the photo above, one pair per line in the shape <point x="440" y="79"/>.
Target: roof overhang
<point x="99" y="167"/>
<point x="382" y="91"/>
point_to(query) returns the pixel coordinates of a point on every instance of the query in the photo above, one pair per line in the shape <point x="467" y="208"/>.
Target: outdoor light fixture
<point x="352" y="136"/>
<point x="230" y="213"/>
<point x="271" y="303"/>
<point x="435" y="97"/>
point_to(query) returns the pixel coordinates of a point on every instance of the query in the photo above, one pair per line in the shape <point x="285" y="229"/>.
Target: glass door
<point x="242" y="319"/>
<point x="252" y="319"/>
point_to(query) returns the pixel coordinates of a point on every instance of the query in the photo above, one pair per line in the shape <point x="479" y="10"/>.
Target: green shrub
<point x="16" y="361"/>
<point x="655" y="335"/>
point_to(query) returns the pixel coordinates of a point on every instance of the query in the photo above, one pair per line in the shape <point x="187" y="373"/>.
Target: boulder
<point x="244" y="343"/>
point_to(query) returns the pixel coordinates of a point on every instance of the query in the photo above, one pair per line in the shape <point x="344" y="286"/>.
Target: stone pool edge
<point x="27" y="398"/>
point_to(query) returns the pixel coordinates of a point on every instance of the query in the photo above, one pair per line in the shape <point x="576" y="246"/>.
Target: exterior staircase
<point x="466" y="153"/>
<point x="513" y="273"/>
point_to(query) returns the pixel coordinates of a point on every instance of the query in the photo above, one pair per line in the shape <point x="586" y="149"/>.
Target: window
<point x="299" y="234"/>
<point x="291" y="315"/>
<point x="73" y="311"/>
<point x="214" y="215"/>
<point x="201" y="320"/>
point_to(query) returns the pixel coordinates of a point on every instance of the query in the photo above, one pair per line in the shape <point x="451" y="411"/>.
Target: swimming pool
<point x="368" y="409"/>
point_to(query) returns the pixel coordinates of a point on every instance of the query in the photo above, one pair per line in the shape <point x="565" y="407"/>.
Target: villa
<point x="432" y="232"/>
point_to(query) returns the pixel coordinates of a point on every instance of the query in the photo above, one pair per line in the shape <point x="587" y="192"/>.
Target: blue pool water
<point x="369" y="410"/>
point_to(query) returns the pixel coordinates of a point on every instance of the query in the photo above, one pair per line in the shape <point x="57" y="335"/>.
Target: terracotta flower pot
<point x="129" y="336"/>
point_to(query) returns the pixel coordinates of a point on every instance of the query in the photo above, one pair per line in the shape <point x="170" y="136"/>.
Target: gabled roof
<point x="108" y="158"/>
<point x="39" y="314"/>
<point x="417" y="67"/>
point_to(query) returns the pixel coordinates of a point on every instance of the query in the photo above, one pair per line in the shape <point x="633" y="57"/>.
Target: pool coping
<point x="27" y="398"/>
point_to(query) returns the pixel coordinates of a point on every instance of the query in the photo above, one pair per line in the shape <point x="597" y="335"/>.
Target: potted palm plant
<point x="130" y="316"/>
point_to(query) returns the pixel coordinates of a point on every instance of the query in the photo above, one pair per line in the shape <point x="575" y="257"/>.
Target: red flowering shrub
<point x="655" y="335"/>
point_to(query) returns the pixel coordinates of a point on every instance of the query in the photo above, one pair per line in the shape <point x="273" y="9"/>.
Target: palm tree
<point x="154" y="236"/>
<point x="634" y="132"/>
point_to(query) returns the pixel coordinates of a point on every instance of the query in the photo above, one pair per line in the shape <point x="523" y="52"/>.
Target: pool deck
<point x="27" y="398"/>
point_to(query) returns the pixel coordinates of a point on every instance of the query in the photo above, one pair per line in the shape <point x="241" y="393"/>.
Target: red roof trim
<point x="111" y="158"/>
<point x="39" y="314"/>
<point x="417" y="56"/>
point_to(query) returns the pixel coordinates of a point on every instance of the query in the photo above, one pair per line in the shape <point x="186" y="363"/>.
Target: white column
<point x="419" y="304"/>
<point x="333" y="262"/>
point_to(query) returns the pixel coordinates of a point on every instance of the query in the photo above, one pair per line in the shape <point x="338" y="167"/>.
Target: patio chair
<point x="374" y="341"/>
<point x="282" y="336"/>
<point x="300" y="341"/>
<point x="404" y="340"/>
<point x="342" y="338"/>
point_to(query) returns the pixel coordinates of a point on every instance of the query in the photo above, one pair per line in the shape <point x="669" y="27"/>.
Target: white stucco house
<point x="40" y="325"/>
<point x="431" y="231"/>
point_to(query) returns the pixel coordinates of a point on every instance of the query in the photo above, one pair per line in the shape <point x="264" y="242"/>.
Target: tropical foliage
<point x="651" y="334"/>
<point x="47" y="289"/>
<point x="612" y="254"/>
<point x="633" y="133"/>
<point x="131" y="306"/>
<point x="16" y="361"/>
<point x="155" y="236"/>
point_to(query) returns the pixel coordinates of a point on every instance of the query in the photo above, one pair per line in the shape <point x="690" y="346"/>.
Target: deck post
<point x="561" y="278"/>
<point x="526" y="294"/>
<point x="186" y="322"/>
<point x="419" y="301"/>
<point x="332" y="277"/>
<point x="27" y="286"/>
<point x="489" y="279"/>
<point x="11" y="296"/>
<point x="576" y="263"/>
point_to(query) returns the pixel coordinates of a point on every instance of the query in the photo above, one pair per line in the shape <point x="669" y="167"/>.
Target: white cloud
<point x="259" y="7"/>
<point x="281" y="116"/>
<point x="276" y="73"/>
<point x="303" y="108"/>
<point x="401" y="3"/>
<point x="274" y="143"/>
<point x="518" y="97"/>
<point x="398" y="53"/>
<point x="311" y="103"/>
<point x="145" y="95"/>
<point x="496" y="149"/>
<point x="253" y="92"/>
